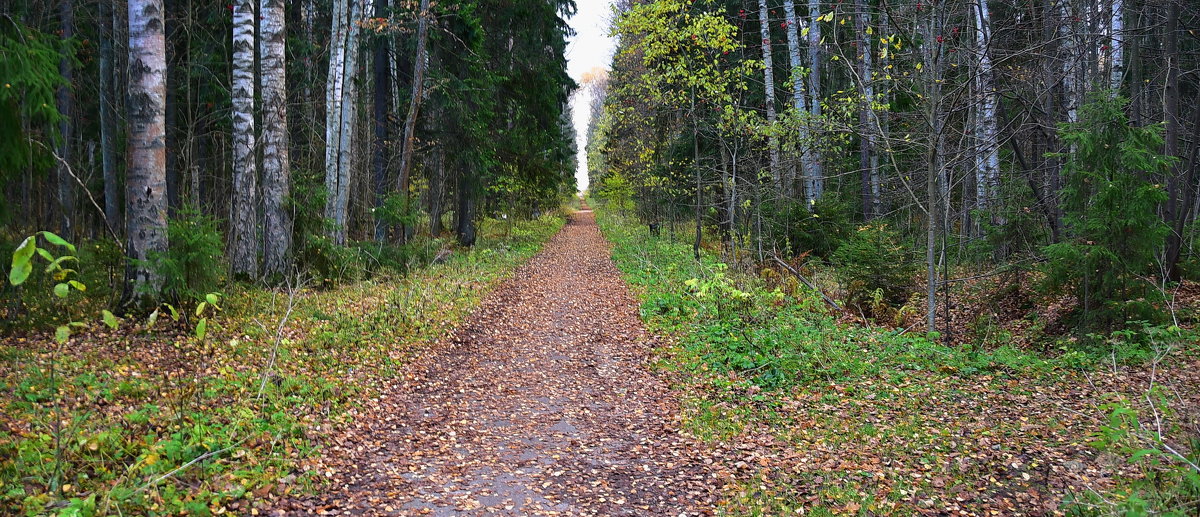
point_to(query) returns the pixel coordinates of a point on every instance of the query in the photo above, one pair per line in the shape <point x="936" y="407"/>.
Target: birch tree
<point x="868" y="159"/>
<point x="243" y="227"/>
<point x="1072" y="63"/>
<point x="1116" y="51"/>
<point x="146" y="174"/>
<point x="987" y="155"/>
<point x="764" y="23"/>
<point x="808" y="165"/>
<point x="340" y="113"/>
<point x="816" y="176"/>
<point x="276" y="176"/>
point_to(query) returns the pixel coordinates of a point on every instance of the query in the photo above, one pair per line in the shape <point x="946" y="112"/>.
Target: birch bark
<point x="277" y="222"/>
<point x="764" y="23"/>
<point x="244" y="248"/>
<point x="146" y="171"/>
<point x="799" y="99"/>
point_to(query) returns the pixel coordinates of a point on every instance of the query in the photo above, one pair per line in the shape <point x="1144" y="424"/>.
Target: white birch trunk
<point x="146" y="171"/>
<point x="816" y="177"/>
<point x="335" y="81"/>
<point x="869" y="159"/>
<point x="799" y="100"/>
<point x="244" y="248"/>
<point x="277" y="239"/>
<point x="340" y="115"/>
<point x="987" y="157"/>
<point x="1072" y="61"/>
<point x="1116" y="56"/>
<point x="764" y="23"/>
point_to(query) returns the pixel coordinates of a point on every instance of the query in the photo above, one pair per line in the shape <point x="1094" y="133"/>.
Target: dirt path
<point x="541" y="404"/>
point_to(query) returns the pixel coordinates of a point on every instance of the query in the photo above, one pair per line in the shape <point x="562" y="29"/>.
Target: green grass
<point x="873" y="421"/>
<point x="111" y="423"/>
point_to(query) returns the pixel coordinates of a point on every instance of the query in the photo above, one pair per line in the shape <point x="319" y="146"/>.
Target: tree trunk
<point x="699" y="186"/>
<point x="868" y="160"/>
<point x="146" y="178"/>
<point x="987" y="153"/>
<point x="817" y="174"/>
<point x="108" y="116"/>
<point x="414" y="105"/>
<point x="1071" y="61"/>
<point x="244" y="226"/>
<point x="64" y="98"/>
<point x="382" y="100"/>
<point x="932" y="63"/>
<point x="764" y="23"/>
<point x="1174" y="211"/>
<point x="340" y="114"/>
<point x="1116" y="54"/>
<point x="277" y="221"/>
<point x="464" y="214"/>
<point x="800" y="102"/>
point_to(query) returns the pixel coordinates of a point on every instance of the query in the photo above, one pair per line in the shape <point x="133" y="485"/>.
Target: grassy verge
<point x="831" y="418"/>
<point x="150" y="420"/>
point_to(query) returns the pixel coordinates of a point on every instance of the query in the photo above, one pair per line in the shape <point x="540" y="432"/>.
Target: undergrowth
<point x="149" y="420"/>
<point x="882" y="421"/>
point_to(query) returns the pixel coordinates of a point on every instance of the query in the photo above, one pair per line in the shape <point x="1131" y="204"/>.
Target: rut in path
<point x="540" y="404"/>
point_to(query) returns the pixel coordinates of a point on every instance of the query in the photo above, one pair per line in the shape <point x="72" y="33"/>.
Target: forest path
<point x="540" y="404"/>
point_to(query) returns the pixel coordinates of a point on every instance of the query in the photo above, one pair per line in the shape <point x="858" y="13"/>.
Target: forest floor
<point x="828" y="415"/>
<point x="541" y="403"/>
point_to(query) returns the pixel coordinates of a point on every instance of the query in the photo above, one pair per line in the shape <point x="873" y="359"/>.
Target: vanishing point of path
<point x="541" y="404"/>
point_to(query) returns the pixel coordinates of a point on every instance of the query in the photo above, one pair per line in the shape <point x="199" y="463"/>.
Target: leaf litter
<point x="542" y="403"/>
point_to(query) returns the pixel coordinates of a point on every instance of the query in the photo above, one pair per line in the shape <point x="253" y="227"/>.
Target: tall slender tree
<point x="340" y="109"/>
<point x="808" y="165"/>
<point x="108" y="115"/>
<point x="382" y="93"/>
<point x="146" y="172"/>
<point x="244" y="226"/>
<point x="764" y="24"/>
<point x="987" y="152"/>
<point x="1116" y="45"/>
<point x="414" y="106"/>
<point x="816" y="177"/>
<point x="868" y="158"/>
<point x="277" y="220"/>
<point x="64" y="98"/>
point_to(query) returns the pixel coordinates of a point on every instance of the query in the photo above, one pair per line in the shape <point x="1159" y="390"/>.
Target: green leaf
<point x="109" y="319"/>
<point x="213" y="299"/>
<point x="56" y="263"/>
<point x="22" y="262"/>
<point x="1142" y="453"/>
<point x="45" y="254"/>
<point x="58" y="241"/>
<point x="61" y="290"/>
<point x="202" y="328"/>
<point x="200" y="308"/>
<point x="152" y="319"/>
<point x="77" y="285"/>
<point x="174" y="312"/>
<point x="62" y="334"/>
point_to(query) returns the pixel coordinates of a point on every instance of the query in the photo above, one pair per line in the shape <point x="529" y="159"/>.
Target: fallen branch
<point x="291" y="304"/>
<point x="805" y="281"/>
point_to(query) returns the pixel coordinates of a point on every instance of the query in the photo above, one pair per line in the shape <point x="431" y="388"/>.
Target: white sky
<point x="589" y="48"/>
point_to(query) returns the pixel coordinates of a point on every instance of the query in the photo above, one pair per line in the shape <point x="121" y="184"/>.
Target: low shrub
<point x="872" y="265"/>
<point x="192" y="265"/>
